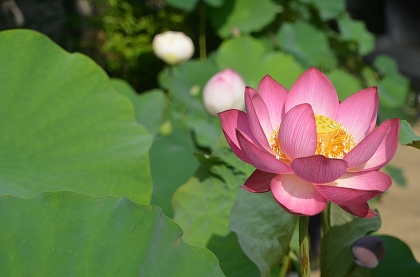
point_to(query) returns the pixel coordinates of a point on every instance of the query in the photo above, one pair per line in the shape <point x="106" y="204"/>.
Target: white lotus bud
<point x="173" y="47"/>
<point x="224" y="91"/>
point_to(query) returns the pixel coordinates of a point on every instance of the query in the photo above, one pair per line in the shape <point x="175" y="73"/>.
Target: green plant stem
<point x="285" y="266"/>
<point x="202" y="32"/>
<point x="304" y="246"/>
<point x="168" y="94"/>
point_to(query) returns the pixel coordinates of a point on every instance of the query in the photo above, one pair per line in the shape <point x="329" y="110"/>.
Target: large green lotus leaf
<point x="148" y="106"/>
<point x="340" y="229"/>
<point x="244" y="16"/>
<point x="264" y="229"/>
<point x="64" y="127"/>
<point x="407" y="135"/>
<point x="345" y="83"/>
<point x="328" y="9"/>
<point x="71" y="234"/>
<point x="173" y="163"/>
<point x="234" y="54"/>
<point x="356" y="31"/>
<point x="393" y="87"/>
<point x="398" y="260"/>
<point x="308" y="44"/>
<point x="233" y="260"/>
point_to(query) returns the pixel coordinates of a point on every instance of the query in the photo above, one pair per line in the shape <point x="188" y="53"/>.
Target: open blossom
<point x="308" y="148"/>
<point x="224" y="91"/>
<point x="173" y="47"/>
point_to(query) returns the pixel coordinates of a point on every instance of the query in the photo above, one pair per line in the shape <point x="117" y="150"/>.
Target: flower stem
<point x="304" y="246"/>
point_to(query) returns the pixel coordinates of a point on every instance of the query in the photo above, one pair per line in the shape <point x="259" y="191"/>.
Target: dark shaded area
<point x="396" y="25"/>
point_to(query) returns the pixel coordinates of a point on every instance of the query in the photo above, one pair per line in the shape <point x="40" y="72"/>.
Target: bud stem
<point x="202" y="34"/>
<point x="304" y="246"/>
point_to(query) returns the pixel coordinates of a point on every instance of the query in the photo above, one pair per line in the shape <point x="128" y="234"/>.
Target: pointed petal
<point x="318" y="169"/>
<point x="274" y="96"/>
<point x="297" y="133"/>
<point x="385" y="151"/>
<point x="314" y="88"/>
<point x="260" y="158"/>
<point x="297" y="196"/>
<point x="362" y="210"/>
<point x="258" y="117"/>
<point x="368" y="146"/>
<point x="259" y="181"/>
<point x="358" y="112"/>
<point x="355" y="188"/>
<point x="230" y="121"/>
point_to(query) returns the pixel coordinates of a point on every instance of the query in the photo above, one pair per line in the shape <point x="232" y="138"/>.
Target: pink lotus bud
<point x="368" y="251"/>
<point x="173" y="47"/>
<point x="224" y="91"/>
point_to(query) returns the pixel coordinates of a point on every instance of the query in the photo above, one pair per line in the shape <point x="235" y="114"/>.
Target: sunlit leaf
<point x="407" y="135"/>
<point x="308" y="44"/>
<point x="70" y="234"/>
<point x="398" y="260"/>
<point x="244" y="16"/>
<point x="64" y="127"/>
<point x="340" y="229"/>
<point x="264" y="229"/>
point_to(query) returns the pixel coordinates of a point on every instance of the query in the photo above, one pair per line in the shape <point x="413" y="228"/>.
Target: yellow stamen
<point x="275" y="145"/>
<point x="333" y="139"/>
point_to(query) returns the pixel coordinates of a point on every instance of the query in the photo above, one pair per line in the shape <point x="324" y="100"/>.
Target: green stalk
<point x="304" y="246"/>
<point x="202" y="32"/>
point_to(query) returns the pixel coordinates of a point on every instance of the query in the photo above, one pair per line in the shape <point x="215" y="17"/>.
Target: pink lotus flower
<point x="308" y="147"/>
